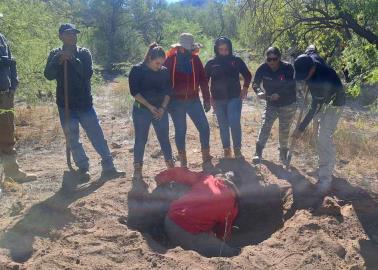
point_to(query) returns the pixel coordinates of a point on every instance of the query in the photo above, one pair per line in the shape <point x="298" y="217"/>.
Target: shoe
<point x="182" y="158"/>
<point x="238" y="153"/>
<point x="258" y="154"/>
<point x="138" y="175"/>
<point x="83" y="175"/>
<point x="227" y="153"/>
<point x="170" y="164"/>
<point x="112" y="173"/>
<point x="206" y="157"/>
<point x="12" y="170"/>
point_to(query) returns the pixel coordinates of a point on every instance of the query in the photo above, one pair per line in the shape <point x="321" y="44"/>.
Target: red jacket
<point x="186" y="86"/>
<point x="210" y="205"/>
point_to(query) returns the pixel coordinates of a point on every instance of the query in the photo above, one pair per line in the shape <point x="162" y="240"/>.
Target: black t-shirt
<point x="279" y="82"/>
<point x="152" y="85"/>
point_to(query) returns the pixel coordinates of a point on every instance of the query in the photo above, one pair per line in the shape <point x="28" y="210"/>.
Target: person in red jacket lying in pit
<point x="202" y="219"/>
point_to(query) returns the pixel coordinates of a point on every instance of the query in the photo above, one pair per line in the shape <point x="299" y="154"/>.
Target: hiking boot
<point x="83" y="175"/>
<point x="227" y="153"/>
<point x="258" y="154"/>
<point x="284" y="155"/>
<point x="183" y="159"/>
<point x="112" y="173"/>
<point x="170" y="164"/>
<point x="138" y="175"/>
<point x="238" y="154"/>
<point x="12" y="170"/>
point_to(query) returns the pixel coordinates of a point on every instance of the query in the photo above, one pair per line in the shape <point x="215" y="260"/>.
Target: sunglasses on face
<point x="270" y="59"/>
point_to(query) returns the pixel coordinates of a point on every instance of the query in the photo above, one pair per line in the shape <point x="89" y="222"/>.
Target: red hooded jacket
<point x="186" y="86"/>
<point x="210" y="205"/>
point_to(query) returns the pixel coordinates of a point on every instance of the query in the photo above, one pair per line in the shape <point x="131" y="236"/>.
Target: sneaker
<point x="83" y="175"/>
<point x="258" y="155"/>
<point x="112" y="173"/>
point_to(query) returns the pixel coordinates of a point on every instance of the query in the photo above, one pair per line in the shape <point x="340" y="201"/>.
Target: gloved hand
<point x="207" y="107"/>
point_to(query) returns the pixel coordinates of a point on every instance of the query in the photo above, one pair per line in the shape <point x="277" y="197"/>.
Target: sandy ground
<point x="282" y="226"/>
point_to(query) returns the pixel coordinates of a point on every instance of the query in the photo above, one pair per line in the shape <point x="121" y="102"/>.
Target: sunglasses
<point x="270" y="59"/>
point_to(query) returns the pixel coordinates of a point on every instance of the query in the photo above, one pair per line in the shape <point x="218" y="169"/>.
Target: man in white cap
<point x="8" y="86"/>
<point x="188" y="77"/>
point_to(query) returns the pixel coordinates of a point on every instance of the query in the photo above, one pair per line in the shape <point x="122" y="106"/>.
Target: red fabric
<point x="210" y="205"/>
<point x="186" y="86"/>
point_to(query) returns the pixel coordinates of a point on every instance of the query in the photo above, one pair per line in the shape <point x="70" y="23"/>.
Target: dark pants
<point x="7" y="140"/>
<point x="143" y="119"/>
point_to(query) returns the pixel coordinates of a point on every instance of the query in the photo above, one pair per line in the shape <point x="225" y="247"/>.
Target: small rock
<point x="113" y="118"/>
<point x="116" y="145"/>
<point x="77" y="261"/>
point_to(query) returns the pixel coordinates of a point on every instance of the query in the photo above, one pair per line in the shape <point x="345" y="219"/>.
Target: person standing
<point x="81" y="111"/>
<point x="187" y="77"/>
<point x="328" y="100"/>
<point x="276" y="77"/>
<point x="224" y="72"/>
<point x="8" y="86"/>
<point x="150" y="86"/>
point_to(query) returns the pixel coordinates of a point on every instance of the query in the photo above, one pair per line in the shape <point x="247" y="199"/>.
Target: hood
<point x="223" y="40"/>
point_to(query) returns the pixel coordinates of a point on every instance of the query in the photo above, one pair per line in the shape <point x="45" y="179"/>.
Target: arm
<point x="257" y="81"/>
<point x="52" y="65"/>
<point x="179" y="175"/>
<point x="13" y="72"/>
<point x="204" y="84"/>
<point x="167" y="90"/>
<point x="244" y="71"/>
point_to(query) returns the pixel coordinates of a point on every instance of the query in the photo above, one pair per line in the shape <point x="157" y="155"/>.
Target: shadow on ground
<point x="45" y="219"/>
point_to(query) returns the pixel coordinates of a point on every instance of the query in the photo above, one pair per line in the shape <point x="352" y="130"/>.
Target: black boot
<point x="258" y="154"/>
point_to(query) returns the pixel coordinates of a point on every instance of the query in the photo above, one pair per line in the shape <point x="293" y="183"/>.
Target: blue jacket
<point x="8" y="69"/>
<point x="79" y="73"/>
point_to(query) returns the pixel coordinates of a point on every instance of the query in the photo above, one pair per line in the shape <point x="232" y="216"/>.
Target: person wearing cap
<point x="187" y="78"/>
<point x="276" y="77"/>
<point x="224" y="72"/>
<point x="8" y="86"/>
<point x="313" y="52"/>
<point x="81" y="111"/>
<point x="328" y="99"/>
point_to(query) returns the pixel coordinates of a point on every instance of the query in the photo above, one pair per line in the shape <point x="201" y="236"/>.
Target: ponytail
<point x="154" y="51"/>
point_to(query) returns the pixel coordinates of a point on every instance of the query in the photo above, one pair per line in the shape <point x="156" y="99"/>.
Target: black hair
<point x="273" y="50"/>
<point x="154" y="51"/>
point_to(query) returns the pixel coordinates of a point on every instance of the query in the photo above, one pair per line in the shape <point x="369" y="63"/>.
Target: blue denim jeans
<point x="143" y="119"/>
<point x="228" y="114"/>
<point x="89" y="122"/>
<point x="178" y="110"/>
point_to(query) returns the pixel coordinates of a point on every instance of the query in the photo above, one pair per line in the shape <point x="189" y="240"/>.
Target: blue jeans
<point x="143" y="119"/>
<point x="228" y="114"/>
<point x="89" y="122"/>
<point x="178" y="110"/>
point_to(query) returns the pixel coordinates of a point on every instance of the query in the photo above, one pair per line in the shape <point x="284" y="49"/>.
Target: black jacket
<point x="325" y="88"/>
<point x="224" y="72"/>
<point x="79" y="72"/>
<point x="152" y="85"/>
<point x="279" y="82"/>
<point x="8" y="70"/>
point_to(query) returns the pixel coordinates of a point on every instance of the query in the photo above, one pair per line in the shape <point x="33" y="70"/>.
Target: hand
<point x="207" y="106"/>
<point x="65" y="56"/>
<point x="274" y="97"/>
<point x="161" y="112"/>
<point x="244" y="92"/>
<point x="297" y="134"/>
<point x="261" y="95"/>
<point x="154" y="111"/>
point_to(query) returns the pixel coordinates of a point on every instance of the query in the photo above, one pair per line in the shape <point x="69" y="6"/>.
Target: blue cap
<point x="303" y="65"/>
<point x="68" y="27"/>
